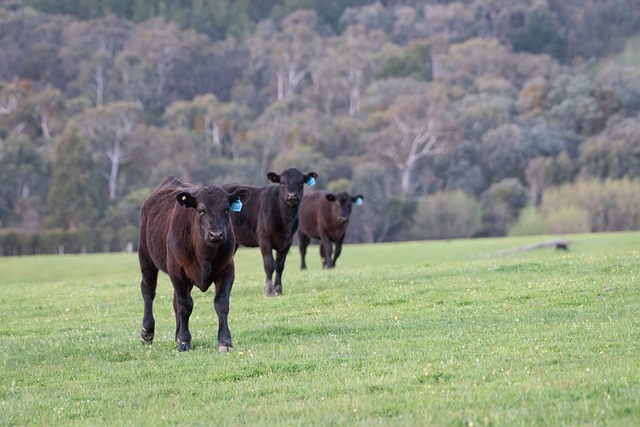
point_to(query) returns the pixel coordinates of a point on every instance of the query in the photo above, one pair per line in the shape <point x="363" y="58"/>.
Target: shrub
<point x="447" y="215"/>
<point x="568" y="219"/>
<point x="530" y="223"/>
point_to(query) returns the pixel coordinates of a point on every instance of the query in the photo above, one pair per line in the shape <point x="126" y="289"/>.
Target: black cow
<point x="325" y="216"/>
<point x="185" y="231"/>
<point x="270" y="220"/>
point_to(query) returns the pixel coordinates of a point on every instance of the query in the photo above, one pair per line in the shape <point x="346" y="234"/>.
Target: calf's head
<point x="342" y="203"/>
<point x="292" y="184"/>
<point x="212" y="206"/>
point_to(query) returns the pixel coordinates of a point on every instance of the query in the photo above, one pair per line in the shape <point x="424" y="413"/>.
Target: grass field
<point x="418" y="333"/>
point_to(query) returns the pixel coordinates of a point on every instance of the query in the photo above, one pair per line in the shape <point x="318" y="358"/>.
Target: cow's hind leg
<point x="304" y="242"/>
<point x="148" y="287"/>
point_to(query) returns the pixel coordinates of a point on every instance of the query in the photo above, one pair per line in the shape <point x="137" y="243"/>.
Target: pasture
<point x="416" y="333"/>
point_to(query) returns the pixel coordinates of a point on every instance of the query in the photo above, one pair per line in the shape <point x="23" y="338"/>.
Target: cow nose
<point x="216" y="235"/>
<point x="292" y="198"/>
<point x="343" y="220"/>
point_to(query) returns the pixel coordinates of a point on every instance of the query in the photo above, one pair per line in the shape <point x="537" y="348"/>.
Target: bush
<point x="447" y="215"/>
<point x="611" y="205"/>
<point x="17" y="242"/>
<point x="568" y="219"/>
<point x="530" y="223"/>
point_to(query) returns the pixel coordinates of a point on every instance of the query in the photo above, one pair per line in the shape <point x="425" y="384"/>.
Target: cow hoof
<point x="184" y="346"/>
<point x="277" y="290"/>
<point x="146" y="337"/>
<point x="225" y="348"/>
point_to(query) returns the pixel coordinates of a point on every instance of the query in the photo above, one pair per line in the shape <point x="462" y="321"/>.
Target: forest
<point x="454" y="119"/>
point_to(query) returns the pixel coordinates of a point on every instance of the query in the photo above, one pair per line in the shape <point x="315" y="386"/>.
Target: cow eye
<point x="200" y="212"/>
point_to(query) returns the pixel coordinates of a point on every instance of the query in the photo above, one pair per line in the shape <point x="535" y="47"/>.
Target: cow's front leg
<point x="183" y="306"/>
<point x="221" y="305"/>
<point x="326" y="251"/>
<point x="338" y="249"/>
<point x="269" y="267"/>
<point x="281" y="257"/>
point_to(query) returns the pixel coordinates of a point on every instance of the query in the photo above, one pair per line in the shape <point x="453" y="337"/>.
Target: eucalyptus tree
<point x="72" y="199"/>
<point x="109" y="127"/>
<point x="413" y="128"/>
<point x="287" y="52"/>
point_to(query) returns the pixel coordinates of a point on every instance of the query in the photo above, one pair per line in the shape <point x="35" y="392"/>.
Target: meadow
<point x="436" y="333"/>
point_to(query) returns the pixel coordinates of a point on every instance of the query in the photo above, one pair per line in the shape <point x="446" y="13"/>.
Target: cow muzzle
<point x="215" y="237"/>
<point x="343" y="220"/>
<point x="292" y="199"/>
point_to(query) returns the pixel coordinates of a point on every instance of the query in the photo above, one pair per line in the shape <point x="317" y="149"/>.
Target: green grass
<point x="417" y="333"/>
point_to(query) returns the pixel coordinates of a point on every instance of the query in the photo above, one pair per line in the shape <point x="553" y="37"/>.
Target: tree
<point x="501" y="205"/>
<point x="505" y="152"/>
<point x="348" y="65"/>
<point x="613" y="153"/>
<point x="540" y="35"/>
<point x="415" y="128"/>
<point x="91" y="49"/>
<point x="71" y="199"/>
<point x="385" y="216"/>
<point x="289" y="53"/>
<point x="24" y="172"/>
<point x="110" y="127"/>
<point x="217" y="121"/>
<point x="573" y="105"/>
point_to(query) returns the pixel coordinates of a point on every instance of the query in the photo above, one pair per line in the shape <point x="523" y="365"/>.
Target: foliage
<point x="500" y="206"/>
<point x="447" y="215"/>
<point x="402" y="99"/>
<point x="530" y="223"/>
<point x="540" y="35"/>
<point x="611" y="205"/>
<point x="396" y="323"/>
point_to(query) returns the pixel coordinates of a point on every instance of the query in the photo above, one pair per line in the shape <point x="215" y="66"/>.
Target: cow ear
<point x="237" y="198"/>
<point x="273" y="177"/>
<point x="358" y="200"/>
<point x="187" y="200"/>
<point x="310" y="178"/>
<point x="330" y="197"/>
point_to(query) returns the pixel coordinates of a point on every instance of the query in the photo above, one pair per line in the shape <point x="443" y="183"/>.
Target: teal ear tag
<point x="358" y="201"/>
<point x="311" y="181"/>
<point x="236" y="206"/>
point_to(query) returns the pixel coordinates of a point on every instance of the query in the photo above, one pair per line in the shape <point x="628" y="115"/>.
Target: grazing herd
<point x="192" y="233"/>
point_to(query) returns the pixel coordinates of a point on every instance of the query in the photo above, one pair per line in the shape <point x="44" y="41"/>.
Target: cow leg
<point x="269" y="267"/>
<point x="304" y="242"/>
<point x="325" y="243"/>
<point x="148" y="287"/>
<point x="338" y="249"/>
<point x="281" y="256"/>
<point x="183" y="306"/>
<point x="322" y="257"/>
<point x="221" y="305"/>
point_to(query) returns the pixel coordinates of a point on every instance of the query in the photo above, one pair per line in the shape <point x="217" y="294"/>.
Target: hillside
<point x="453" y="119"/>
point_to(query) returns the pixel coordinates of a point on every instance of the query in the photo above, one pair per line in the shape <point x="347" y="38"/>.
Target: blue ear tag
<point x="358" y="201"/>
<point x="236" y="206"/>
<point x="311" y="181"/>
